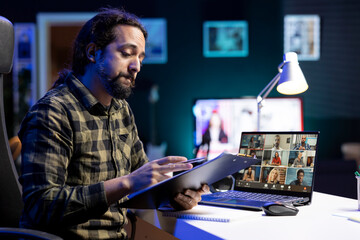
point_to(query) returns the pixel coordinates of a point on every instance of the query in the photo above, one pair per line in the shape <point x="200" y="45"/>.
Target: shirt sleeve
<point x="46" y="137"/>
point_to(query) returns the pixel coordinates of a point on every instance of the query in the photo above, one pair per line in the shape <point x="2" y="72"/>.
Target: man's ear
<point x="91" y="51"/>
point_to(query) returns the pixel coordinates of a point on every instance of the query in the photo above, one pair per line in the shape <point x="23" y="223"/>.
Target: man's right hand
<point x="156" y="171"/>
<point x="151" y="173"/>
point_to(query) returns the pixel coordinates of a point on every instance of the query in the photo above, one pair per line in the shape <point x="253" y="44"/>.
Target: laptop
<point x="284" y="174"/>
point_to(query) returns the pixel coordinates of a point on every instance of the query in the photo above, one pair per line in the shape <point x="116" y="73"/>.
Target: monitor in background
<point x="220" y="122"/>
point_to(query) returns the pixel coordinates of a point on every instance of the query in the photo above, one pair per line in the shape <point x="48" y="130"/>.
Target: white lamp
<point x="290" y="80"/>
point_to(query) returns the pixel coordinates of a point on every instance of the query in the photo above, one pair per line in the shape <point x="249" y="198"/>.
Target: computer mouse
<point x="280" y="209"/>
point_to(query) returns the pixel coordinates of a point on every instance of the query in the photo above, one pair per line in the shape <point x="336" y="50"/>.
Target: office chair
<point x="11" y="203"/>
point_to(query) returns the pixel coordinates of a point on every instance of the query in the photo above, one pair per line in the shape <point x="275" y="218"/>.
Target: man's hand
<point x="151" y="173"/>
<point x="189" y="199"/>
<point x="155" y="171"/>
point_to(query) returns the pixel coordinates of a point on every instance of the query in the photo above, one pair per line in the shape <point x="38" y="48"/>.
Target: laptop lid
<point x="288" y="161"/>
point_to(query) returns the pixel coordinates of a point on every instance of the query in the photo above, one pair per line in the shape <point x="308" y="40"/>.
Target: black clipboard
<point x="159" y="195"/>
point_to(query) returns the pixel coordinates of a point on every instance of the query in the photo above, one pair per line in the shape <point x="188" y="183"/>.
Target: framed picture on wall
<point x="156" y="44"/>
<point x="225" y="39"/>
<point x="302" y="35"/>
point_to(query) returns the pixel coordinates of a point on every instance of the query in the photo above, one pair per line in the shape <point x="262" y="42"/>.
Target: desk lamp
<point x="290" y="80"/>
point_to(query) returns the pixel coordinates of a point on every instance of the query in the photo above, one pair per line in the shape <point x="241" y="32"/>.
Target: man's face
<point x="303" y="139"/>
<point x="300" y="177"/>
<point x="277" y="142"/>
<point x="119" y="63"/>
<point x="215" y="121"/>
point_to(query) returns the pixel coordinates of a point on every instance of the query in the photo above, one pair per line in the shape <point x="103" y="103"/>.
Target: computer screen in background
<point x="220" y="122"/>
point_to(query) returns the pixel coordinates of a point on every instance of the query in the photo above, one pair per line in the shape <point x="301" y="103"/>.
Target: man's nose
<point x="135" y="66"/>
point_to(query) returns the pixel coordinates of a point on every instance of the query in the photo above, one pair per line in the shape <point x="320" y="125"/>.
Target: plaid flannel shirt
<point x="71" y="144"/>
<point x="299" y="145"/>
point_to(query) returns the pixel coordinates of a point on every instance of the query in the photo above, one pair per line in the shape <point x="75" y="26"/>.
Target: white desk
<point x="316" y="221"/>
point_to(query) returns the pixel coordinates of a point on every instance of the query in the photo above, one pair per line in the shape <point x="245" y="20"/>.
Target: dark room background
<point x="330" y="105"/>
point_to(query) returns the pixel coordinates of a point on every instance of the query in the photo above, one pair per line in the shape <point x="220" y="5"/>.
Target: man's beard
<point x="113" y="86"/>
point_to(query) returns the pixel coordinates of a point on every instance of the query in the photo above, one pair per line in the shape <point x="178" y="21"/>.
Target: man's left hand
<point x="189" y="199"/>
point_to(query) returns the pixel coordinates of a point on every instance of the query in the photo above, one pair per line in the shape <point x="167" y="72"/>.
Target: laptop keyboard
<point x="262" y="197"/>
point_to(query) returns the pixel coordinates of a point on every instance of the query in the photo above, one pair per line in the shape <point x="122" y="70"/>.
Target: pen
<point x="354" y="219"/>
<point x="196" y="160"/>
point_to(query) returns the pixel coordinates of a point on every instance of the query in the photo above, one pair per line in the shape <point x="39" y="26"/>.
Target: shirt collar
<point x="89" y="101"/>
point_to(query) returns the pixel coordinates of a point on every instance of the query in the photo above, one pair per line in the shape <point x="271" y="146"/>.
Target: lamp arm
<point x="261" y="96"/>
<point x="270" y="85"/>
<point x="266" y="91"/>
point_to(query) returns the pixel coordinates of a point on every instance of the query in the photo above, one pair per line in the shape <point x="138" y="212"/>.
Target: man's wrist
<point x="117" y="188"/>
<point x="125" y="184"/>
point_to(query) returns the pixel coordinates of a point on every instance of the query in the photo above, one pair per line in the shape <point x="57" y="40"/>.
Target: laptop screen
<point x="287" y="162"/>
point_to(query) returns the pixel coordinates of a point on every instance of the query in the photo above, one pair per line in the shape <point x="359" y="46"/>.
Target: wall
<point x="329" y="105"/>
<point x="188" y="75"/>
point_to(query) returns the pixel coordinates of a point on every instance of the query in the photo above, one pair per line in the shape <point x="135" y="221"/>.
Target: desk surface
<point x="316" y="221"/>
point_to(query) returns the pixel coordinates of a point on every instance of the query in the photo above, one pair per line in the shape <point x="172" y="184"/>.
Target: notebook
<point x="209" y="213"/>
<point x="284" y="174"/>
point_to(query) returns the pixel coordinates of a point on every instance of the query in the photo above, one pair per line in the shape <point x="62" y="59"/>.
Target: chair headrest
<point x="6" y="45"/>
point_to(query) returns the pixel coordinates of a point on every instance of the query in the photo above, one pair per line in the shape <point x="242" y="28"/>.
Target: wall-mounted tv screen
<point x="220" y="122"/>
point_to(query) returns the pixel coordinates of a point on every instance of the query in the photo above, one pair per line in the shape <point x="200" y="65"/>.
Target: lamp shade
<point x="292" y="80"/>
